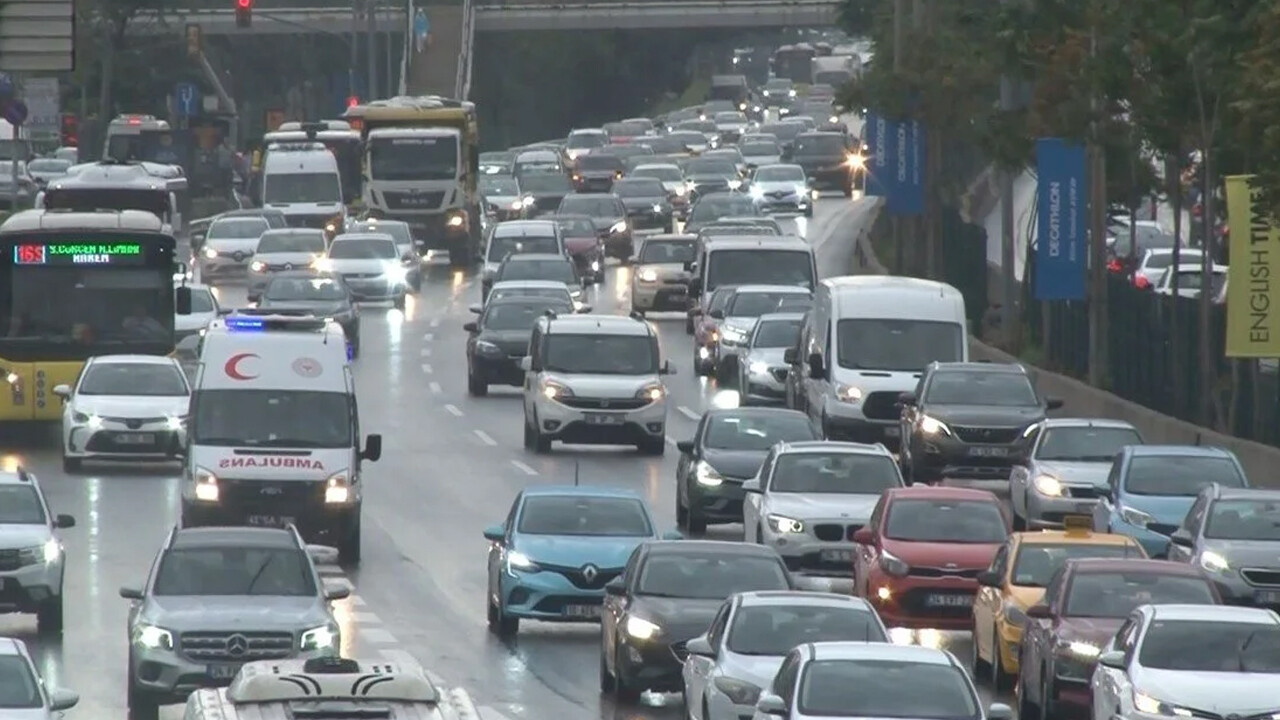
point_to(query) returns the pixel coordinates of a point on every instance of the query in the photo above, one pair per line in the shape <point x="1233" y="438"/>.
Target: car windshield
<point x="288" y="188"/>
<point x="1085" y="443"/>
<point x="202" y="301"/>
<point x="237" y="229"/>
<point x="1244" y="520"/>
<point x="730" y="118"/>
<point x="819" y="145"/>
<point x="554" y="270"/>
<point x="707" y="576"/>
<point x="713" y="207"/>
<point x="398" y="231"/>
<point x="1179" y="475"/>
<point x="667" y="252"/>
<point x="19" y="687"/>
<point x="1149" y="238"/>
<point x="363" y="249"/>
<point x="761" y="149"/>
<point x="271" y="419"/>
<point x="516" y="290"/>
<point x="764" y="267"/>
<point x="776" y="333"/>
<point x="413" y="158"/>
<point x="304" y="289"/>
<point x="781" y="173"/>
<point x="898" y="345"/>
<point x="133" y="379"/>
<point x="669" y="173"/>
<point x="502" y="246"/>
<point x="1162" y="260"/>
<point x="552" y="182"/>
<point x="502" y="157"/>
<point x="753" y="304"/>
<point x="597" y="162"/>
<point x="586" y="140"/>
<point x="591" y="206"/>
<point x="886" y="689"/>
<point x="772" y="630"/>
<point x="834" y="474"/>
<point x="640" y="188"/>
<point x="584" y="516"/>
<point x="576" y="226"/>
<point x="626" y="129"/>
<point x="1212" y="646"/>
<point x="48" y="166"/>
<point x="784" y="131"/>
<point x="993" y="389"/>
<point x="584" y="354"/>
<point x="699" y="126"/>
<point x="1036" y="562"/>
<point x="777" y="85"/>
<point x="756" y="431"/>
<point x="203" y="571"/>
<point x="946" y="521"/>
<point x="291" y="242"/>
<point x="20" y="505"/>
<point x="499" y="186"/>
<point x="1116" y="594"/>
<point x="1194" y="279"/>
<point x="518" y="316"/>
<point x="711" y="166"/>
<point x="737" y="229"/>
<point x="689" y="138"/>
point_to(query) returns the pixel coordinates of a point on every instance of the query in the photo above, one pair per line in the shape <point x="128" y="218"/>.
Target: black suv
<point x="829" y="159"/>
<point x="968" y="420"/>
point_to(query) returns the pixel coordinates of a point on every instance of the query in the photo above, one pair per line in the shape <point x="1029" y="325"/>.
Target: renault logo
<point x="590" y="573"/>
<point x="238" y="256"/>
<point x="288" y="266"/>
<point x="237" y="645"/>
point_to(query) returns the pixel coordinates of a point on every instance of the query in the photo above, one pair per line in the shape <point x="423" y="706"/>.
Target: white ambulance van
<point x="327" y="688"/>
<point x="274" y="432"/>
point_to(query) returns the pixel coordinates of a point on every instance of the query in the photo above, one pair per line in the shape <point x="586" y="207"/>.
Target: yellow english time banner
<point x="1253" y="278"/>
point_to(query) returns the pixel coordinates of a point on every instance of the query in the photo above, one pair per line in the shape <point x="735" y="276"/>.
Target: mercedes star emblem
<point x="590" y="573"/>
<point x="237" y="645"/>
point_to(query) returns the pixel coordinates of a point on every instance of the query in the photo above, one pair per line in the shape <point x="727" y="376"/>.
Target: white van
<point x="274" y="430"/>
<point x="303" y="181"/>
<point x="867" y="339"/>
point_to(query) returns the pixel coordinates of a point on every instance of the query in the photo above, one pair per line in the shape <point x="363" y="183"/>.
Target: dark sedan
<point x="596" y="173"/>
<point x="715" y="207"/>
<point x="668" y="595"/>
<point x="647" y="204"/>
<point x="583" y="244"/>
<point x="547" y="190"/>
<point x="711" y="175"/>
<point x="829" y="160"/>
<point x="500" y="338"/>
<point x="307" y="292"/>
<point x="609" y="216"/>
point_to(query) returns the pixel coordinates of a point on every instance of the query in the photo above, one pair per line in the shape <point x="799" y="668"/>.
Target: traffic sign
<point x="14" y="112"/>
<point x="7" y="88"/>
<point x="186" y="99"/>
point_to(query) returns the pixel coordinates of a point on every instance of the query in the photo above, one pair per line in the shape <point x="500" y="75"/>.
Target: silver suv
<point x="23" y="695"/>
<point x="595" y="379"/>
<point x="218" y="597"/>
<point x="32" y="563"/>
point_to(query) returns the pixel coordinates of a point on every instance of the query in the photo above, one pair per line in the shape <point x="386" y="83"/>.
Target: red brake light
<point x="1141" y="282"/>
<point x="244" y="4"/>
<point x="1113" y="265"/>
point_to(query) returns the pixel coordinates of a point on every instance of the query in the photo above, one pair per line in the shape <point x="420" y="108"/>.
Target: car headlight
<point x="856" y="161"/>
<point x="206" y="485"/>
<point x="849" y="393"/>
<point x="152" y="637"/>
<point x="648" y="275"/>
<point x="735" y="184"/>
<point x="210" y="253"/>
<point x="456" y="220"/>
<point x="487" y="348"/>
<point x="521" y="562"/>
<point x="1014" y="615"/>
<point x="758" y="368"/>
<point x="1213" y="562"/>
<point x="320" y="638"/>
<point x="791" y="93"/>
<point x="322" y="264"/>
<point x="739" y="692"/>
<point x="657" y="207"/>
<point x="575" y="294"/>
<point x="1134" y="516"/>
<point x="527" y="201"/>
<point x="641" y="629"/>
<point x="83" y="418"/>
<point x="1081" y="649"/>
<point x="893" y="565"/>
<point x="1047" y="485"/>
<point x="732" y="336"/>
<point x="395" y="273"/>
<point x="1144" y="703"/>
<point x="933" y="426"/>
<point x="756" y="192"/>
<point x="552" y="390"/>
<point x="652" y="392"/>
<point x="337" y="489"/>
<point x="618" y="227"/>
<point x="257" y="266"/>
<point x="707" y="475"/>
<point x="785" y="525"/>
<point x="176" y="422"/>
<point x="517" y="205"/>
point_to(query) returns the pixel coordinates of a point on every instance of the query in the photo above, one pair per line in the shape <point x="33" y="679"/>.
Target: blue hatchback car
<point x="1151" y="488"/>
<point x="558" y="549"/>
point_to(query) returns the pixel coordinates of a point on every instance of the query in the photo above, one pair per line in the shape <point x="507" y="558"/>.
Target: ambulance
<point x="274" y="432"/>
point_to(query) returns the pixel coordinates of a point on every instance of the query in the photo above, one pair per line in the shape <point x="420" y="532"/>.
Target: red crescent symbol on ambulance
<point x="232" y="367"/>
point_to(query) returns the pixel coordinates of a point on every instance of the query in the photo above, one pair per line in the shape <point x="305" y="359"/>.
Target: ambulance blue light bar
<point x="250" y="321"/>
<point x="246" y="323"/>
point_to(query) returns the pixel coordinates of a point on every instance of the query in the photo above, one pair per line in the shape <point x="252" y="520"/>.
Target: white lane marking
<point x="435" y="387"/>
<point x="435" y="322"/>
<point x="522" y="467"/>
<point x="489" y="712"/>
<point x="453" y="410"/>
<point x="689" y="413"/>
<point x="426" y="368"/>
<point x="378" y="636"/>
<point x="426" y="352"/>
<point x="429" y="337"/>
<point x="485" y="437"/>
<point x="366" y="618"/>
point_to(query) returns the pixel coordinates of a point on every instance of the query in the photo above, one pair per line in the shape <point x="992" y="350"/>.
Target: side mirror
<point x="688" y="266"/>
<point x="769" y="704"/>
<point x="337" y="592"/>
<point x="1113" y="659"/>
<point x="700" y="647"/>
<point x="63" y="522"/>
<point x="673" y="535"/>
<point x="999" y="711"/>
<point x="62" y="391"/>
<point x="322" y="554"/>
<point x="717" y="314"/>
<point x="227" y="311"/>
<point x="791" y="356"/>
<point x="60" y="699"/>
<point x="1181" y="538"/>
<point x="666" y="368"/>
<point x="182" y="300"/>
<point x="988" y="578"/>
<point x="131" y="593"/>
<point x="495" y="533"/>
<point x="816" y="369"/>
<point x="1053" y="403"/>
<point x="864" y="536"/>
<point x="475" y="309"/>
<point x="616" y="588"/>
<point x="752" y="486"/>
<point x="907" y="399"/>
<point x="471" y="327"/>
<point x="526" y="363"/>
<point x="685" y="446"/>
<point x="1039" y="612"/>
<point x="372" y="448"/>
<point x="695" y="287"/>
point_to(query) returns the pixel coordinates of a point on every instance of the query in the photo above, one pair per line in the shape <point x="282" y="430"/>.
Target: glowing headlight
<point x="257" y="266"/>
<point x="395" y="273"/>
<point x="520" y="561"/>
<point x="706" y="475"/>
<point x="1084" y="649"/>
<point x="484" y="346"/>
<point x="791" y="93"/>
<point x="652" y="393"/>
<point x="756" y="192"/>
<point x="456" y="221"/>
<point x="732" y="336"/>
<point x="517" y="205"/>
<point x="206" y="485"/>
<point x="648" y="275"/>
<point x="176" y="422"/>
<point x="320" y="638"/>
<point x="742" y="106"/>
<point x="641" y="629"/>
<point x="210" y="253"/>
<point x="527" y="201"/>
<point x="11" y="378"/>
<point x="150" y="636"/>
<point x="657" y="208"/>
<point x="680" y="191"/>
<point x="856" y="161"/>
<point x="51" y="551"/>
<point x="758" y="368"/>
<point x="337" y="489"/>
<point x="1047" y="485"/>
<point x="784" y="524"/>
<point x="322" y="264"/>
<point x="1213" y="562"/>
<point x="735" y="184"/>
<point x="930" y="426"/>
<point x="834" y="119"/>
<point x="849" y="393"/>
<point x="618" y="227"/>
<point x="554" y="390"/>
<point x="1144" y="703"/>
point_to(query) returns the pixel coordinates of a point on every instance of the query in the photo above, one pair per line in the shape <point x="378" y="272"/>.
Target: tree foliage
<point x="1259" y="101"/>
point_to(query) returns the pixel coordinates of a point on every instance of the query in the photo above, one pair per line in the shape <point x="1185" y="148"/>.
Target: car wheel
<point x="682" y="513"/>
<point x="999" y="676"/>
<point x="697" y="523"/>
<point x="688" y="327"/>
<point x="400" y="302"/>
<point x="1026" y="708"/>
<point x="607" y="683"/>
<point x="349" y="547"/>
<point x="49" y="616"/>
<point x="541" y="443"/>
<point x="476" y="386"/>
<point x="1019" y="522"/>
<point x="142" y="706"/>
<point x="71" y="464"/>
<point x="528" y="435"/>
<point x="978" y="666"/>
<point x="500" y="623"/>
<point x="623" y="689"/>
<point x="1046" y="695"/>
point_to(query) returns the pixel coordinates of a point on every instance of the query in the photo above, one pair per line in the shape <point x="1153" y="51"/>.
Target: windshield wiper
<point x="257" y="575"/>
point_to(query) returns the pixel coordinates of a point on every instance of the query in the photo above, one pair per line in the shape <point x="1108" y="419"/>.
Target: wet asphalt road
<point x="451" y="467"/>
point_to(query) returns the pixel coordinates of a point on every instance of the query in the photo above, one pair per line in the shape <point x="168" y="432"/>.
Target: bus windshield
<point x="86" y="199"/>
<point x="157" y="146"/>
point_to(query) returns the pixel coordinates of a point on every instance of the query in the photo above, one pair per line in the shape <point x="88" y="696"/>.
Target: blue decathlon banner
<point x="1062" y="192"/>
<point x="879" y="181"/>
<point x="907" y="140"/>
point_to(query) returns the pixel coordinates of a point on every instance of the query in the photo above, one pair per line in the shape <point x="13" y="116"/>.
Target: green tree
<point x="1259" y="101"/>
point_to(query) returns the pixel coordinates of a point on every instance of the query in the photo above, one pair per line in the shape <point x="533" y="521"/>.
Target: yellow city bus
<point x="68" y="282"/>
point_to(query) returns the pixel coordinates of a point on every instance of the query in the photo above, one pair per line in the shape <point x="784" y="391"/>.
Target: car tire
<point x="475" y="386"/>
<point x="697" y="524"/>
<point x="142" y="706"/>
<point x="1000" y="678"/>
<point x="624" y="690"/>
<point x="498" y="622"/>
<point x="349" y="547"/>
<point x="682" y="513"/>
<point x="1019" y="522"/>
<point x="71" y="464"/>
<point x="653" y="446"/>
<point x="1046" y="696"/>
<point x="400" y="302"/>
<point x="977" y="666"/>
<point x="539" y="443"/>
<point x="49" y="616"/>
<point x="1026" y="708"/>
<point x="355" y="347"/>
<point x="688" y="326"/>
<point x="528" y="435"/>
<point x="698" y="369"/>
<point x="607" y="683"/>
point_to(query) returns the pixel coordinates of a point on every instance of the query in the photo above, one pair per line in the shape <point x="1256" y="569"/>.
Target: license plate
<point x="892" y="431"/>
<point x="949" y="600"/>
<point x="269" y="520"/>
<point x="837" y="556"/>
<point x="224" y="671"/>
<point x="602" y="419"/>
<point x="136" y="439"/>
<point x="989" y="452"/>
<point x="582" y="611"/>
<point x="1267" y="597"/>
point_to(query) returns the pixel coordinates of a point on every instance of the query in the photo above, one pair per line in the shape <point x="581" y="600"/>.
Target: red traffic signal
<point x="244" y="4"/>
<point x="244" y="13"/>
<point x="352" y="101"/>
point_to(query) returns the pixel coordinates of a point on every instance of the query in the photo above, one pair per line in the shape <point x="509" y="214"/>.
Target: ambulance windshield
<point x="272" y="418"/>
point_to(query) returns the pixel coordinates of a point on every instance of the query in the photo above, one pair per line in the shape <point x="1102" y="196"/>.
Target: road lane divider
<point x="524" y="467"/>
<point x="453" y="410"/>
<point x="485" y="437"/>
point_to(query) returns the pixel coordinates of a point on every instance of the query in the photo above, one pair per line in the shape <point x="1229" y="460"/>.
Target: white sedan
<point x="124" y="407"/>
<point x="204" y="310"/>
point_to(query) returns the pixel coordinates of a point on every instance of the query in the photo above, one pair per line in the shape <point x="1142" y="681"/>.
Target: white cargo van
<point x="274" y="431"/>
<point x="303" y="181"/>
<point x="867" y="340"/>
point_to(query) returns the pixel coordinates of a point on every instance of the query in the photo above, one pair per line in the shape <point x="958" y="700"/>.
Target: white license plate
<point x="269" y="520"/>
<point x="135" y="439"/>
<point x="602" y="419"/>
<point x="224" y="671"/>
<point x="989" y="452"/>
<point x="892" y="431"/>
<point x="582" y="611"/>
<point x="949" y="600"/>
<point x="837" y="556"/>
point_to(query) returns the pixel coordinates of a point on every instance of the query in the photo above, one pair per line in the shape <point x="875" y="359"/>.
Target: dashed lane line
<point x="524" y="468"/>
<point x="426" y="368"/>
<point x="435" y="387"/>
<point x="426" y="352"/>
<point x="429" y="337"/>
<point x="404" y="657"/>
<point x="453" y="410"/>
<point x="485" y="437"/>
<point x="685" y="411"/>
<point x="435" y="322"/>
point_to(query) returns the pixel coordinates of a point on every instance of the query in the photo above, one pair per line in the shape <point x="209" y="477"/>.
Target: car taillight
<point x="1141" y="282"/>
<point x="1113" y="265"/>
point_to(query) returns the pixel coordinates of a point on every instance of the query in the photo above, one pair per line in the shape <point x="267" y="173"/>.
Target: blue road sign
<point x="1061" y="195"/>
<point x="14" y="112"/>
<point x="879" y="179"/>
<point x="895" y="165"/>
<point x="186" y="99"/>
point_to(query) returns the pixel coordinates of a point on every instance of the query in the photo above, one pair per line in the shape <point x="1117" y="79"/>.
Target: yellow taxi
<point x="1016" y="580"/>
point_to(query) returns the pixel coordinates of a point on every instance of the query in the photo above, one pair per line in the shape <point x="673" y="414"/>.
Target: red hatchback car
<point x="919" y="556"/>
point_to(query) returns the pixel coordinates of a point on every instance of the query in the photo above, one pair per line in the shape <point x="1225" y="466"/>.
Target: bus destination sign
<point x="79" y="254"/>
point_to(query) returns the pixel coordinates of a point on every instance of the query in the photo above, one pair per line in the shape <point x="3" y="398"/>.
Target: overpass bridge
<point x="511" y="16"/>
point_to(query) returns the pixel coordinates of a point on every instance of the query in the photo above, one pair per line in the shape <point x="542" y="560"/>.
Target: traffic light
<point x="69" y="130"/>
<point x="244" y="13"/>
